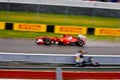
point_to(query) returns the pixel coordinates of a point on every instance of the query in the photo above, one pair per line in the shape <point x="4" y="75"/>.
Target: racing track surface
<point x="29" y="46"/>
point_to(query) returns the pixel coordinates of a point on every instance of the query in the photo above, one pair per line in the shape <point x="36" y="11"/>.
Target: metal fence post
<point x="59" y="74"/>
<point x="8" y="7"/>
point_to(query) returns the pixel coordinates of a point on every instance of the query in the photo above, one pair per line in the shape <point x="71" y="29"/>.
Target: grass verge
<point x="59" y="19"/>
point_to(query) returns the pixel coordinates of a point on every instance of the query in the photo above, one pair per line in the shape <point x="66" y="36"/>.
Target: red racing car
<point x="64" y="40"/>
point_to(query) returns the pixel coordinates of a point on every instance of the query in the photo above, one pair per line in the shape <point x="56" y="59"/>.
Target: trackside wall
<point x="69" y="7"/>
<point x="57" y="58"/>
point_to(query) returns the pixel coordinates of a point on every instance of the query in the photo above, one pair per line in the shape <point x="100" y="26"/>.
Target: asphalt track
<point x="29" y="46"/>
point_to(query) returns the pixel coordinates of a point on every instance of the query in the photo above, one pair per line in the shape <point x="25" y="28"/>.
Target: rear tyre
<point x="47" y="41"/>
<point x="60" y="43"/>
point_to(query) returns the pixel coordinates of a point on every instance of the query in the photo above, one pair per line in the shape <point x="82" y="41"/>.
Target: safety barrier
<point x="57" y="58"/>
<point x="78" y="3"/>
<point x="59" y="29"/>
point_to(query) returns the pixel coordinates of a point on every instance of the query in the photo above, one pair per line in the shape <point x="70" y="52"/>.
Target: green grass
<point x="59" y="19"/>
<point x="24" y="34"/>
<point x="104" y="38"/>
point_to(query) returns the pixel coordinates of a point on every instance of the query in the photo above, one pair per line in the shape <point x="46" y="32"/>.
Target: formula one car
<point x="66" y="39"/>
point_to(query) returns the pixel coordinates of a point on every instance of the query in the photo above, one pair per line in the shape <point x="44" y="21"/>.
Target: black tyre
<point x="47" y="41"/>
<point x="80" y="43"/>
<point x="60" y="43"/>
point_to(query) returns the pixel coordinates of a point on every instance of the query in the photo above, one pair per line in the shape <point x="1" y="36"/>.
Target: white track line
<point x="46" y="54"/>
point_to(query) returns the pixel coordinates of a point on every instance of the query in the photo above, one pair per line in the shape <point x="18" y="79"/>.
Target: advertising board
<point x="29" y="27"/>
<point x="107" y="31"/>
<point x="2" y="25"/>
<point x="70" y="30"/>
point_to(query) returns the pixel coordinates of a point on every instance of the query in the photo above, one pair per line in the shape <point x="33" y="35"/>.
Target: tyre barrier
<point x="57" y="58"/>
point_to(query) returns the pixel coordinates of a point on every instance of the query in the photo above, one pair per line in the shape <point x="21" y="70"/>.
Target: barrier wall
<point x="2" y="25"/>
<point x="57" y="58"/>
<point x="70" y="29"/>
<point x="60" y="29"/>
<point x="107" y="31"/>
<point x="29" y="27"/>
<point x="69" y="7"/>
<point x="78" y="3"/>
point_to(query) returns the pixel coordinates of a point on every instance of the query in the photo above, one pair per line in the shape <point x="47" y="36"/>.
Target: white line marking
<point x="44" y="54"/>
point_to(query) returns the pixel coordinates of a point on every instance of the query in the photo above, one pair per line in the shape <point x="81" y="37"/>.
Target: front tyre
<point x="81" y="43"/>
